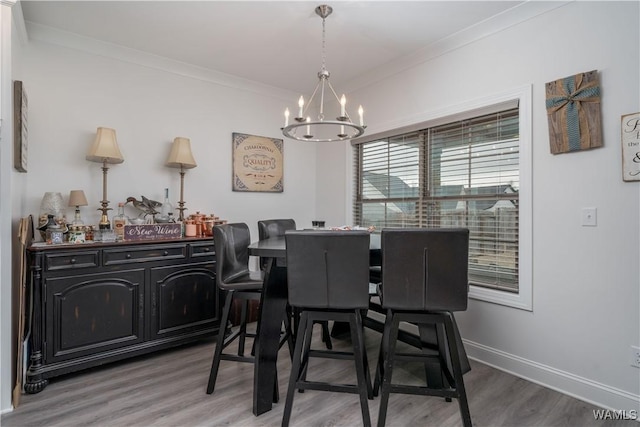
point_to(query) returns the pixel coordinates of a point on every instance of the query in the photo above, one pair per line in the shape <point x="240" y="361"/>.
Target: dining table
<point x="273" y="304"/>
<point x="273" y="309"/>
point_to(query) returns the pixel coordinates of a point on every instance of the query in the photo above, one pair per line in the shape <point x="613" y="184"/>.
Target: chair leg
<point x="457" y="370"/>
<point x="384" y="345"/>
<point x="364" y="386"/>
<point x="433" y="369"/>
<point x="295" y="369"/>
<point x="219" y="343"/>
<point x="243" y="326"/>
<point x="288" y="333"/>
<point x="326" y="335"/>
<point x="387" y="371"/>
<point x="306" y="350"/>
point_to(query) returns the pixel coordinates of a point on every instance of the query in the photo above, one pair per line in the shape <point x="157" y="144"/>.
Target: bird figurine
<point x="151" y="203"/>
<point x="146" y="206"/>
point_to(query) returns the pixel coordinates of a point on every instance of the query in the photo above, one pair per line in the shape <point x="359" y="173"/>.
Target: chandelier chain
<point x="324" y="53"/>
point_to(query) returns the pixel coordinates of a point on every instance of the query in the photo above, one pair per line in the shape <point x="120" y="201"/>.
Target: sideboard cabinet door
<point x="183" y="300"/>
<point x="93" y="313"/>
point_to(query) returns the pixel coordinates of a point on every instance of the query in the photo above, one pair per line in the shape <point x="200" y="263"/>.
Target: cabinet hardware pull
<point x="128" y="256"/>
<point x="206" y="249"/>
<point x="166" y="253"/>
<point x="73" y="261"/>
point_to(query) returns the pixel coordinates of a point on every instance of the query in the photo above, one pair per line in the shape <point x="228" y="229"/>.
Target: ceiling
<point x="277" y="43"/>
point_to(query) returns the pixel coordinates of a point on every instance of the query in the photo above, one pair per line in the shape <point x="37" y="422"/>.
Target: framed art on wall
<point x="631" y="147"/>
<point x="257" y="163"/>
<point x="573" y="113"/>
<point x="20" y="104"/>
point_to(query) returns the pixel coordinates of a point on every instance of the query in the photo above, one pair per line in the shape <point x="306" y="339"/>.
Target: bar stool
<point x="278" y="227"/>
<point x="233" y="277"/>
<point x="273" y="228"/>
<point x="328" y="279"/>
<point x="424" y="280"/>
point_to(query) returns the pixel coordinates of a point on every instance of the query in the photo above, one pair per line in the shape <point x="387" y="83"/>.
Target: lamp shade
<point x="105" y="147"/>
<point x="77" y="198"/>
<point x="181" y="156"/>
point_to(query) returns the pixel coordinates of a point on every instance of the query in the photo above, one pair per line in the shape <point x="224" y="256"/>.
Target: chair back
<point x="425" y="269"/>
<point x="328" y="269"/>
<point x="232" y="253"/>
<point x="274" y="227"/>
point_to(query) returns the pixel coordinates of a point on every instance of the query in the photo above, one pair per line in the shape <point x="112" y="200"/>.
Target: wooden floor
<point x="168" y="389"/>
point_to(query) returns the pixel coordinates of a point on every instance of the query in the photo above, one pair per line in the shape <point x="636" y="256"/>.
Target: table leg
<point x="272" y="310"/>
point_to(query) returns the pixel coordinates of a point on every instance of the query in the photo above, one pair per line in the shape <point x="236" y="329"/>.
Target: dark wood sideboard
<point x="95" y="303"/>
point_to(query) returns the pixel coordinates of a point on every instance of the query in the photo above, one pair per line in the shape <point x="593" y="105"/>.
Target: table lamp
<point x="105" y="150"/>
<point x="77" y="199"/>
<point x="181" y="157"/>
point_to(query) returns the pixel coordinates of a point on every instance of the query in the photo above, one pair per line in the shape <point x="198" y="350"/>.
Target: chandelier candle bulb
<point x="361" y="114"/>
<point x="286" y="117"/>
<point x="301" y="105"/>
<point x="308" y="127"/>
<point x="343" y="103"/>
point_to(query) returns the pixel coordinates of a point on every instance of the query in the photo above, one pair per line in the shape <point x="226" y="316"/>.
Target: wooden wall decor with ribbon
<point x="573" y="110"/>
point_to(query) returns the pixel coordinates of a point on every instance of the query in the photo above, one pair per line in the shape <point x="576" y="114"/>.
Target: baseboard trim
<point x="587" y="390"/>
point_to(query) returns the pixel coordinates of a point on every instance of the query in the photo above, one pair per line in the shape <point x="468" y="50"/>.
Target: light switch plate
<point x="589" y="217"/>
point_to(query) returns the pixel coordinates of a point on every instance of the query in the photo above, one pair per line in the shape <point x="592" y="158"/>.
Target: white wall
<point x="6" y="163"/>
<point x="585" y="280"/>
<point x="71" y="93"/>
<point x="149" y="101"/>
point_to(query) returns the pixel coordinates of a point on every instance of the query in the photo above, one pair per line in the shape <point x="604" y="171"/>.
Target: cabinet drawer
<point x="197" y="250"/>
<point x="154" y="253"/>
<point x="71" y="260"/>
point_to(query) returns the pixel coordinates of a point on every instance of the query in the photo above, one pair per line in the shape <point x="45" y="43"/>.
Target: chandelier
<point x="303" y="128"/>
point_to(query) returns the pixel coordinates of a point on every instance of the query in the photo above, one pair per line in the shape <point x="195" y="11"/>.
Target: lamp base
<point x="77" y="220"/>
<point x="104" y="223"/>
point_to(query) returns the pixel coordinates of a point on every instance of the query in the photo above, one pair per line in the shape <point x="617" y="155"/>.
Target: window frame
<point x="523" y="299"/>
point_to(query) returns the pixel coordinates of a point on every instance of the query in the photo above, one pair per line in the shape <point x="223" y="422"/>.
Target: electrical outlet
<point x="635" y="356"/>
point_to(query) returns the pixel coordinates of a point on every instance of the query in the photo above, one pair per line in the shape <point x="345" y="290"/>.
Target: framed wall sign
<point x="20" y="134"/>
<point x="257" y="163"/>
<point x="631" y="147"/>
<point x="573" y="113"/>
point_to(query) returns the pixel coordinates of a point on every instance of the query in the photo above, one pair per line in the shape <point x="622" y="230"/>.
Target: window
<point x="461" y="172"/>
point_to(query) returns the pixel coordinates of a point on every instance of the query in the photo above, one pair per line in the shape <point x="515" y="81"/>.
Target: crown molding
<point x="50" y="35"/>
<point x="18" y="21"/>
<point x="509" y="18"/>
<point x="9" y="3"/>
<point x="500" y="22"/>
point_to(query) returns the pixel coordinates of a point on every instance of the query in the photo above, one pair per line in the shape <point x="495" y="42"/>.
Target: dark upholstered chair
<point x="272" y="228"/>
<point x="328" y="279"/>
<point x="424" y="280"/>
<point x="233" y="276"/>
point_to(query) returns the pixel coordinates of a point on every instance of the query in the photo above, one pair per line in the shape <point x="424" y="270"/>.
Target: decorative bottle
<point x="119" y="221"/>
<point x="166" y="208"/>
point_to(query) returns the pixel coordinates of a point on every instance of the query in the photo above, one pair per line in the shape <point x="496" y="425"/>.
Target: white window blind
<point x="460" y="174"/>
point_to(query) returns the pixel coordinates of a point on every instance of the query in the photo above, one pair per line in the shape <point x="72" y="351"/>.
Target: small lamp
<point x="105" y="150"/>
<point x="77" y="199"/>
<point x="181" y="157"/>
